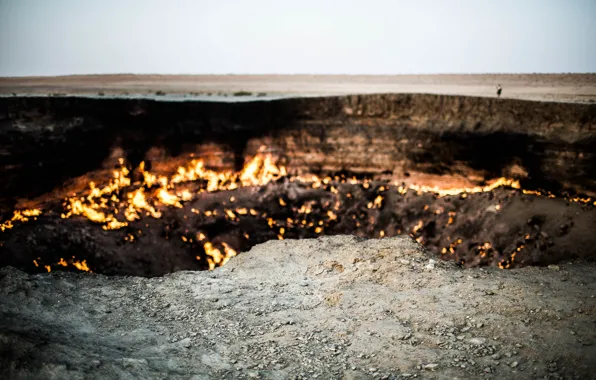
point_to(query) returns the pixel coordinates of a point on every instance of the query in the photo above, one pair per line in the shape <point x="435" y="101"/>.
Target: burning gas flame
<point x="102" y="204"/>
<point x="120" y="201"/>
<point x="20" y="216"/>
<point x="500" y="182"/>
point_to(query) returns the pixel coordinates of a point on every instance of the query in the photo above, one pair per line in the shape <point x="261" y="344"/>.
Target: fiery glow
<point x="484" y="249"/>
<point x="81" y="265"/>
<point x="168" y="199"/>
<point x="507" y="262"/>
<point x="452" y="246"/>
<point x="215" y="256"/>
<point x="121" y="201"/>
<point x="418" y="226"/>
<point x="500" y="182"/>
<point x="102" y="204"/>
<point x="136" y="202"/>
<point x="21" y="216"/>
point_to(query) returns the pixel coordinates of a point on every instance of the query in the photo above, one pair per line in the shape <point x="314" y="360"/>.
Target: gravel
<point x="385" y="315"/>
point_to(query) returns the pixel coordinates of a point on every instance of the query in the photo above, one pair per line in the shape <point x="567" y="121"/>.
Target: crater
<point x="149" y="187"/>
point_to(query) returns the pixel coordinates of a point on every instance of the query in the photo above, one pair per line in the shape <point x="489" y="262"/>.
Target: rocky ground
<point x="335" y="307"/>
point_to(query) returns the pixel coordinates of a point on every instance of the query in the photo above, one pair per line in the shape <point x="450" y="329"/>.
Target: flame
<point x="102" y="204"/>
<point x="452" y="246"/>
<point x="500" y="182"/>
<point x="484" y="249"/>
<point x="81" y="265"/>
<point x="261" y="170"/>
<point x="21" y="216"/>
<point x="137" y="201"/>
<point x="120" y="201"/>
<point x="230" y="214"/>
<point x="417" y="227"/>
<point x="168" y="199"/>
<point x="451" y="217"/>
<point x="216" y="257"/>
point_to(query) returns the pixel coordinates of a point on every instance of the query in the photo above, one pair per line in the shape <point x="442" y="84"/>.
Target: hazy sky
<point x="55" y="37"/>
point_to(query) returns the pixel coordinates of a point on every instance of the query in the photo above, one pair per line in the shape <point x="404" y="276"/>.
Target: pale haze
<point x="60" y="37"/>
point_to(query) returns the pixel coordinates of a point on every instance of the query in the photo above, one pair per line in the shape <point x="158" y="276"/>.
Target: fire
<point x="507" y="262"/>
<point x="261" y="170"/>
<point x="168" y="199"/>
<point x="500" y="182"/>
<point x="216" y="257"/>
<point x="102" y="204"/>
<point x="452" y="246"/>
<point x="377" y="203"/>
<point x="484" y="249"/>
<point x="417" y="227"/>
<point x="121" y="201"/>
<point x="136" y="202"/>
<point x="230" y="214"/>
<point x="80" y="265"/>
<point x="21" y="216"/>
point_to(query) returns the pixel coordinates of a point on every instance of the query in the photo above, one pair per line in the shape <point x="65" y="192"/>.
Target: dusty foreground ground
<point x="549" y="87"/>
<point x="335" y="307"/>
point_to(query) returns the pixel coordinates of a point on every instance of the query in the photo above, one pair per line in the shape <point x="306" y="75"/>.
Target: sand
<point x="543" y="87"/>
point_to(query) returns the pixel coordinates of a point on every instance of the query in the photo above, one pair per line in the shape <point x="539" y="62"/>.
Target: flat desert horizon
<point x="580" y="88"/>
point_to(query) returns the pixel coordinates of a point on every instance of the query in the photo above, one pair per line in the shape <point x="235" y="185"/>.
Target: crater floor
<point x="335" y="307"/>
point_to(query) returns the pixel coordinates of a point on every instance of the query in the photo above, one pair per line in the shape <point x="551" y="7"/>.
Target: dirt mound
<point x="336" y="307"/>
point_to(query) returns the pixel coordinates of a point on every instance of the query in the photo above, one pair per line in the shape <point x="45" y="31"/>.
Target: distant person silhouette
<point x="499" y="90"/>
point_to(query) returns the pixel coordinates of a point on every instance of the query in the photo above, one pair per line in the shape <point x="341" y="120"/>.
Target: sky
<point x="61" y="37"/>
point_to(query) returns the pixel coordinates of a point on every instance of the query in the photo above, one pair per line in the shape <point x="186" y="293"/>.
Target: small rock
<point x="514" y="364"/>
<point x="477" y="341"/>
<point x="431" y="366"/>
<point x="496" y="357"/>
<point x="554" y="267"/>
<point x="372" y="369"/>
